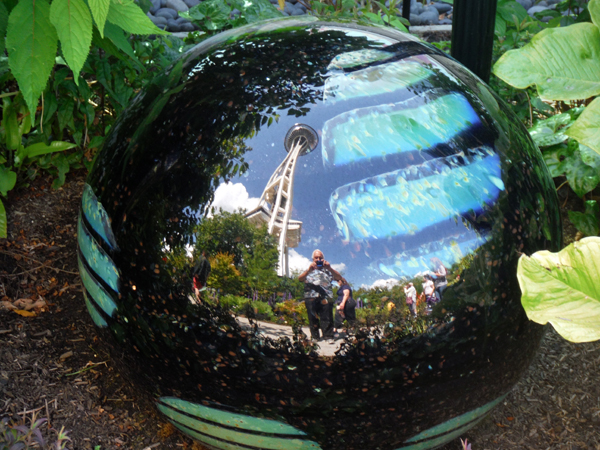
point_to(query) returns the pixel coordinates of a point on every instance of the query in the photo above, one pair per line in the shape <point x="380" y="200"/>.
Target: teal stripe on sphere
<point x="96" y="257"/>
<point x="232" y="436"/>
<point x="96" y="291"/>
<point x="213" y="443"/>
<point x="95" y="315"/>
<point x="450" y="429"/>
<point x="96" y="216"/>
<point x="239" y="421"/>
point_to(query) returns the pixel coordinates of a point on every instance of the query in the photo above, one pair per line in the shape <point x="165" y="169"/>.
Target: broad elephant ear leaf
<point x="564" y="63"/>
<point x="586" y="128"/>
<point x="562" y="288"/>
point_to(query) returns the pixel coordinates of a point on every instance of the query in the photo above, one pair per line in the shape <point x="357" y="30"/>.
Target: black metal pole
<point x="473" y="24"/>
<point x="406" y="9"/>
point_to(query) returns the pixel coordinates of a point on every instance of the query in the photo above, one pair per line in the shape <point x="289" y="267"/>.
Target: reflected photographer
<point x="318" y="295"/>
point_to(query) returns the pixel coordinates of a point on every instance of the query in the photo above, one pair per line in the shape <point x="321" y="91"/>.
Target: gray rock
<point x="553" y="2"/>
<point x="173" y="26"/>
<point x="191" y="3"/>
<point x="298" y="12"/>
<point x="442" y="7"/>
<point x="535" y="9"/>
<point x="301" y="6"/>
<point x="547" y="19"/>
<point x="167" y="13"/>
<point x="416" y="8"/>
<point x="542" y="3"/>
<point x="289" y="8"/>
<point x="155" y="6"/>
<point x="415" y="20"/>
<point x="430" y="17"/>
<point x="525" y="3"/>
<point x="163" y="3"/>
<point x="158" y="20"/>
<point x="177" y="5"/>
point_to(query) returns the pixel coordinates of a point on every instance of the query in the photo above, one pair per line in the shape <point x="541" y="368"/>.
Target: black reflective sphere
<point x="203" y="213"/>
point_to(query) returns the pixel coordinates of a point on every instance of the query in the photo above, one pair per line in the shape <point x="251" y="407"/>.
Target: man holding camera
<point x="318" y="295"/>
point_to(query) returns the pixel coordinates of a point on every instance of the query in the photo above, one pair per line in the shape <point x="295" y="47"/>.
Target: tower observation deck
<point x="276" y="202"/>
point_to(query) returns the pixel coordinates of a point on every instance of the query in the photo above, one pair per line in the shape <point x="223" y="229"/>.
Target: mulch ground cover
<point x="52" y="364"/>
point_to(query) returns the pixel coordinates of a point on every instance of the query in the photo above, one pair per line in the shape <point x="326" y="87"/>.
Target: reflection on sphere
<point x="305" y="234"/>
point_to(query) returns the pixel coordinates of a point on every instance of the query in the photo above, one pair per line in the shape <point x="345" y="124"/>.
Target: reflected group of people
<point x="318" y="282"/>
<point x="434" y="283"/>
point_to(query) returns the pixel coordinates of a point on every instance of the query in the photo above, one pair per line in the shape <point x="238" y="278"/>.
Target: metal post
<point x="406" y="9"/>
<point x="473" y="23"/>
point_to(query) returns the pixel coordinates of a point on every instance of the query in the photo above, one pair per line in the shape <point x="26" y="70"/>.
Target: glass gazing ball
<point x="213" y="191"/>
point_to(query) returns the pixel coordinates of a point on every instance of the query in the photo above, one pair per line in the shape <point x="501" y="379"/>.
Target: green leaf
<point x="582" y="178"/>
<point x="562" y="288"/>
<point x="500" y="26"/>
<point x="3" y="222"/>
<point x="589" y="157"/>
<point x="73" y="23"/>
<point x="121" y="41"/>
<point x="587" y="222"/>
<point x="11" y="126"/>
<point x="255" y="10"/>
<point x="62" y="165"/>
<point x="557" y="159"/>
<point x="586" y="128"/>
<point x="31" y="42"/>
<point x="41" y="148"/>
<point x="552" y="131"/>
<point x="129" y="16"/>
<point x="99" y="11"/>
<point x="594" y="10"/>
<point x="8" y="179"/>
<point x="509" y="10"/>
<point x="564" y="63"/>
<point x="3" y="25"/>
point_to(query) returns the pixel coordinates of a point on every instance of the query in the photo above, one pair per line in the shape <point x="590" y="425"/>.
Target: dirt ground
<point x="53" y="365"/>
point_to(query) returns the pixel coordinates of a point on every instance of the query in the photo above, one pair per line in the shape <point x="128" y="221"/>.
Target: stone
<point x="191" y="3"/>
<point x="442" y="7"/>
<point x="415" y="20"/>
<point x="547" y="19"/>
<point x="173" y="25"/>
<point x="379" y="150"/>
<point x="177" y="5"/>
<point x="430" y="16"/>
<point x="167" y="13"/>
<point x="525" y="3"/>
<point x="297" y="12"/>
<point x="155" y="6"/>
<point x="542" y="3"/>
<point x="416" y="8"/>
<point x="158" y="20"/>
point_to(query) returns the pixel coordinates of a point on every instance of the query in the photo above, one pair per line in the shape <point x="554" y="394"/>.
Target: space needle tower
<point x="275" y="204"/>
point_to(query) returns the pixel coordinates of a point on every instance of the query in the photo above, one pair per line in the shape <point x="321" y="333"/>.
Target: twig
<point x="87" y="367"/>
<point x="558" y="188"/>
<point x="30" y="411"/>
<point x="35" y="268"/>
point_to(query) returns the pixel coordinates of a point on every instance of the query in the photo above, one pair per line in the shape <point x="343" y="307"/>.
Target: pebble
<point x="526" y="3"/>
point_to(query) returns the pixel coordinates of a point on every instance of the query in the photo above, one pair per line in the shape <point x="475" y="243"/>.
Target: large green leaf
<point x="557" y="158"/>
<point x="121" y="40"/>
<point x="3" y="25"/>
<point x="586" y="128"/>
<point x="42" y="149"/>
<point x="73" y="23"/>
<point x="562" y="288"/>
<point x="99" y="11"/>
<point x="31" y="42"/>
<point x="582" y="178"/>
<point x="3" y="228"/>
<point x="129" y="16"/>
<point x="552" y="131"/>
<point x="587" y="221"/>
<point x="509" y="9"/>
<point x="8" y="179"/>
<point x="564" y="63"/>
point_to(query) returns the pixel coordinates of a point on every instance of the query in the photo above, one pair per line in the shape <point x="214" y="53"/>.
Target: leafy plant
<point x="564" y="65"/>
<point x="23" y="437"/>
<point x="561" y="288"/>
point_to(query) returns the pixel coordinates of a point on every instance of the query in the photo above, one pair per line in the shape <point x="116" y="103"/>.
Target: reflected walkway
<point x="275" y="331"/>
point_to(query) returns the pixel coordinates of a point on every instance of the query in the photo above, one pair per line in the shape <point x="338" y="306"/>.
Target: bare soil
<point x="53" y="365"/>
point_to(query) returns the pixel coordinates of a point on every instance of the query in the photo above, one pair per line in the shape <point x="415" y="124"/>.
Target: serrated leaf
<point x="509" y="10"/>
<point x="99" y="10"/>
<point x="8" y="179"/>
<point x="564" y="63"/>
<point x="594" y="11"/>
<point x="73" y="23"/>
<point x="3" y="25"/>
<point x="3" y="222"/>
<point x="587" y="221"/>
<point x="582" y="178"/>
<point x="562" y="288"/>
<point x="129" y="16"/>
<point x="586" y="129"/>
<point x="31" y="42"/>
<point x="41" y="148"/>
